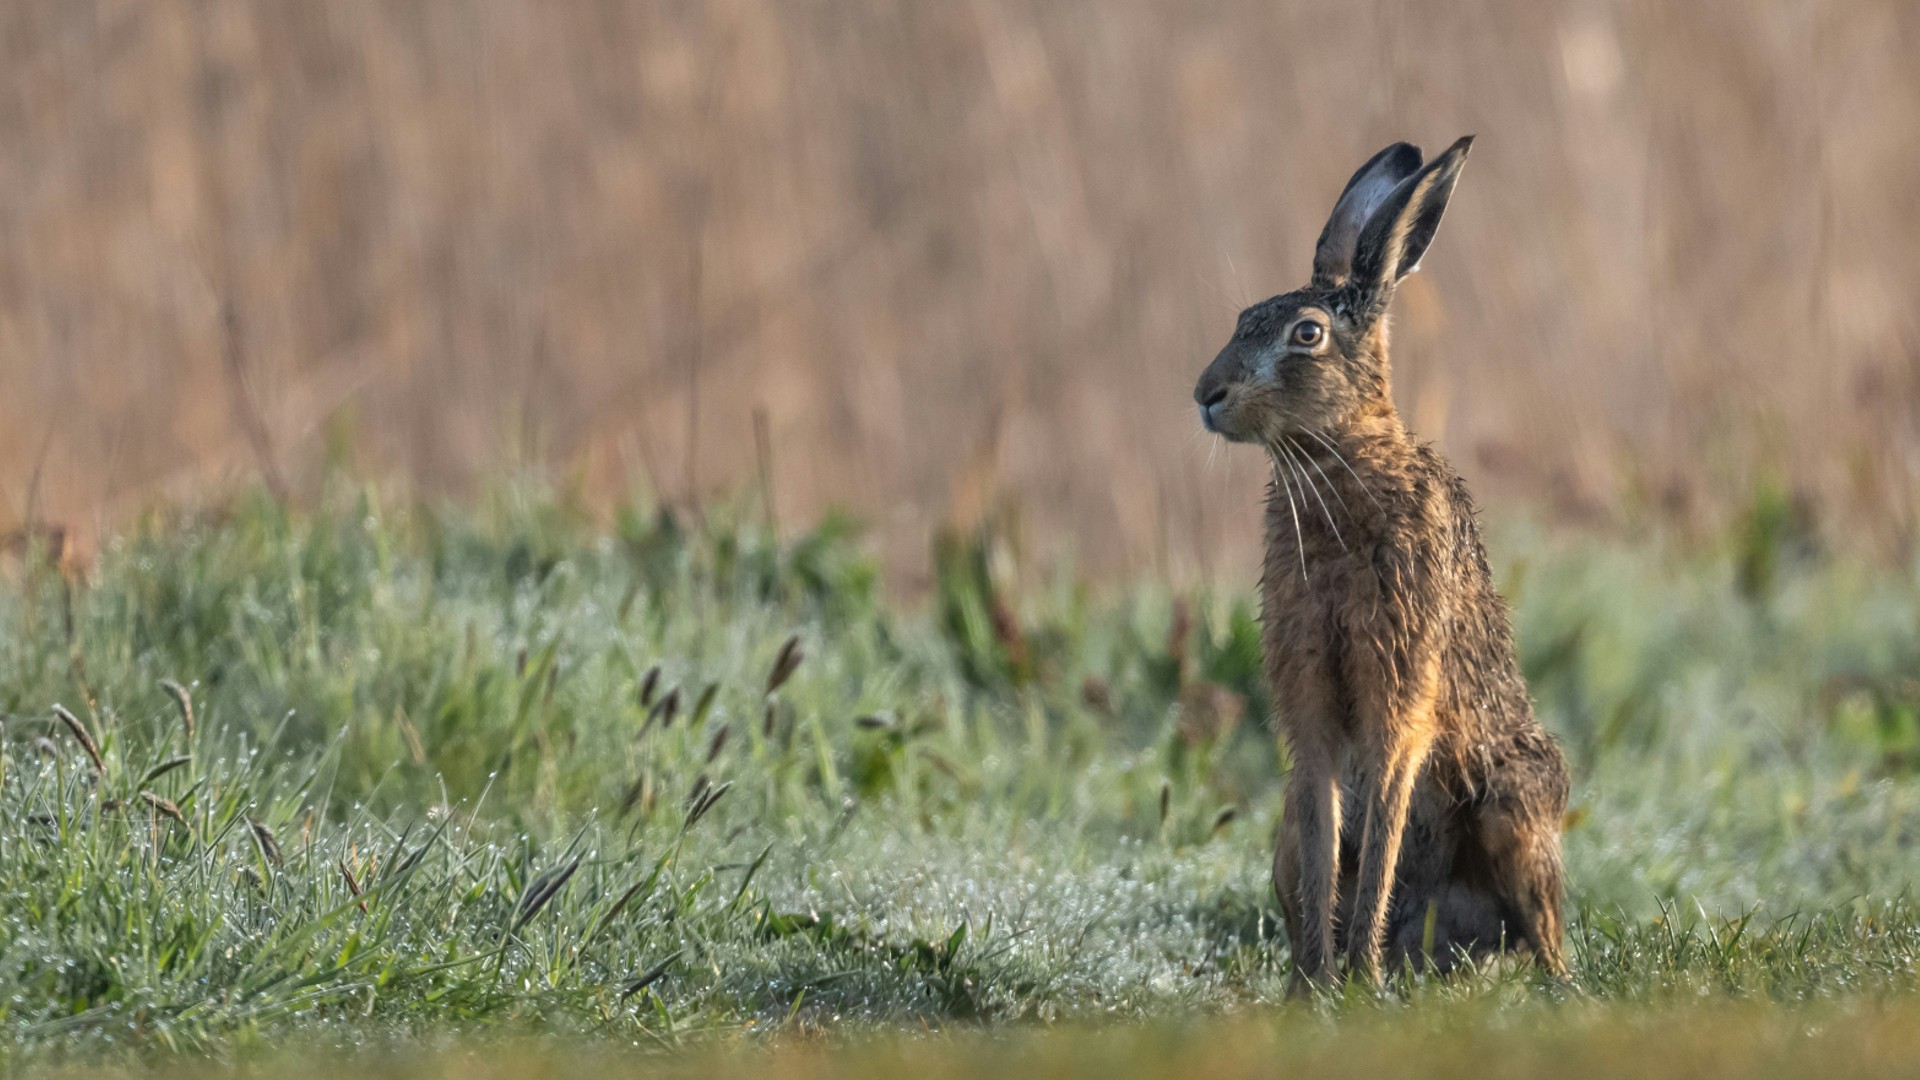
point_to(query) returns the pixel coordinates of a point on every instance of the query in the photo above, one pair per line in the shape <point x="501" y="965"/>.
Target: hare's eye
<point x="1307" y="332"/>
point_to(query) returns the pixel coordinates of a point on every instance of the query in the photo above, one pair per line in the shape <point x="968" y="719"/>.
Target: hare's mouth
<point x="1213" y="408"/>
<point x="1219" y="417"/>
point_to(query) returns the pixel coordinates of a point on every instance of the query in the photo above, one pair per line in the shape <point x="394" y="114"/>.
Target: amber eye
<point x="1307" y="332"/>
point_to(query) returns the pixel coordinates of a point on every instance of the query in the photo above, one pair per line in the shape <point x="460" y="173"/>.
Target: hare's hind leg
<point x="1524" y="854"/>
<point x="1520" y="836"/>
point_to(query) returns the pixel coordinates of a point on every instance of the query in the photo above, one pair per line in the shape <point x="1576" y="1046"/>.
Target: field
<point x="439" y="777"/>
<point x="671" y="537"/>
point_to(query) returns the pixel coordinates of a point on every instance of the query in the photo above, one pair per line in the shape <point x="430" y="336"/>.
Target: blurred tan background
<point x="958" y="255"/>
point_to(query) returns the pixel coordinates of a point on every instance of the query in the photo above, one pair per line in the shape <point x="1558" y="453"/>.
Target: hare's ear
<point x="1397" y="235"/>
<point x="1370" y="186"/>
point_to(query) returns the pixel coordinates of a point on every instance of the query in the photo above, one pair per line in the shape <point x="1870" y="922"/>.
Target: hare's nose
<point x="1209" y="398"/>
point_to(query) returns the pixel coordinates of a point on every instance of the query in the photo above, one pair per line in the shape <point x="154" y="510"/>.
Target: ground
<point x="512" y="787"/>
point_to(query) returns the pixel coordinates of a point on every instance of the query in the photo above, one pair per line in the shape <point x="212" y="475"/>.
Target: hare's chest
<point x="1308" y="594"/>
<point x="1318" y="634"/>
<point x="1304" y="634"/>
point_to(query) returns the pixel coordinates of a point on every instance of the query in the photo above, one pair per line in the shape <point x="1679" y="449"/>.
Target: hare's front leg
<point x="1307" y="865"/>
<point x="1388" y="775"/>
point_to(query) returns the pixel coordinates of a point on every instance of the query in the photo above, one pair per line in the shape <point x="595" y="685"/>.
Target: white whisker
<point x="1337" y="456"/>
<point x="1299" y="538"/>
<point x="1331" y="486"/>
<point x="1237" y="282"/>
<point x="1307" y="483"/>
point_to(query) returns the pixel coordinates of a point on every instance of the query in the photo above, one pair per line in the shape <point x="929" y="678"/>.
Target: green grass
<point x="499" y="774"/>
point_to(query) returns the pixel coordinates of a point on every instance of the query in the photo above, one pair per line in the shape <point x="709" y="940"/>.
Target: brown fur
<point x="1423" y="812"/>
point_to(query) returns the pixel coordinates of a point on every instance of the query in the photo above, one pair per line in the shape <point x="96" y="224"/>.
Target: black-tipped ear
<point x="1370" y="186"/>
<point x="1394" y="239"/>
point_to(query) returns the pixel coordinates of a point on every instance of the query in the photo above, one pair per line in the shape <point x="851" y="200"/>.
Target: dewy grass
<point x="394" y="775"/>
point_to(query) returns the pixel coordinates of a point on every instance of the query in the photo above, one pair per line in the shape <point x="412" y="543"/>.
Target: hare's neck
<point x="1348" y="469"/>
<point x="1370" y="442"/>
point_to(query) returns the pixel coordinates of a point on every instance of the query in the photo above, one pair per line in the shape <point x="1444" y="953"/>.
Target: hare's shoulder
<point x="1422" y="506"/>
<point x="1452" y="519"/>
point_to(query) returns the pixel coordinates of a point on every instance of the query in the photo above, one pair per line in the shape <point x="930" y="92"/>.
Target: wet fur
<point x="1423" y="811"/>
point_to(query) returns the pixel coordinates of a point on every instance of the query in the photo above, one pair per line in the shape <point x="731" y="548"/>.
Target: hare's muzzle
<point x="1212" y="394"/>
<point x="1210" y="402"/>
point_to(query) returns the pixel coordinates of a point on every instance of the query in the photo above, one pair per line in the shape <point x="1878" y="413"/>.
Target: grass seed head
<point x="1222" y="820"/>
<point x="1095" y="695"/>
<point x="269" y="845"/>
<point x="353" y="884"/>
<point x="182" y="700"/>
<point x="708" y="796"/>
<point x="82" y="736"/>
<point x="164" y="768"/>
<point x="166" y="807"/>
<point x="543" y="889"/>
<point x="653" y="975"/>
<point x="785" y="664"/>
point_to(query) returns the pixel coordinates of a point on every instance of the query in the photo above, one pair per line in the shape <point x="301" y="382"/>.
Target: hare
<point x="1423" y="812"/>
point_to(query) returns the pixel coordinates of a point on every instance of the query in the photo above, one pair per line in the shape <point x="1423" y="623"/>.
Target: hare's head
<point x="1314" y="359"/>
